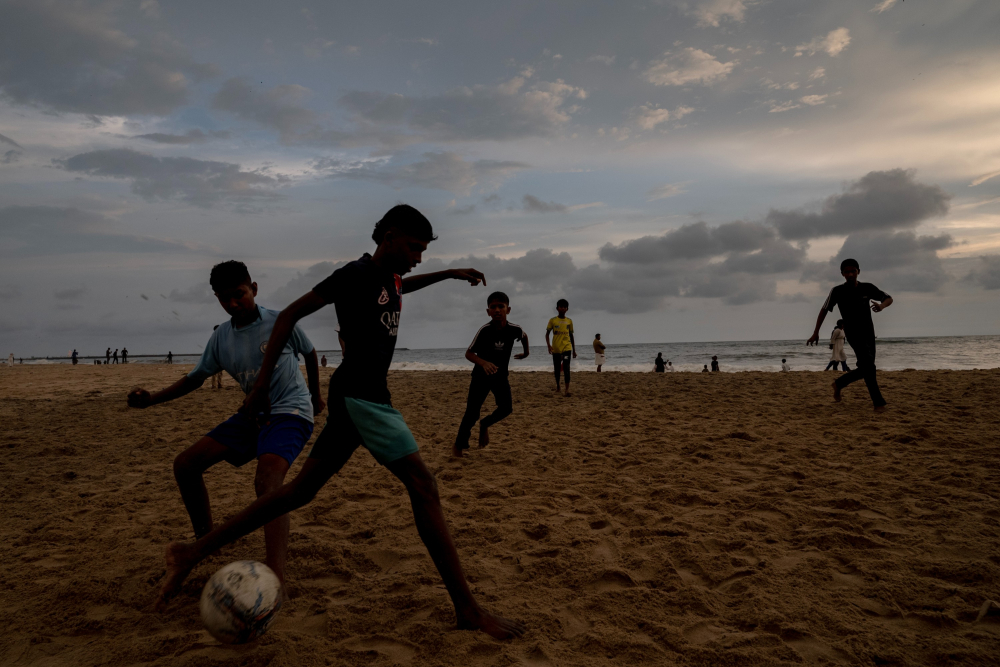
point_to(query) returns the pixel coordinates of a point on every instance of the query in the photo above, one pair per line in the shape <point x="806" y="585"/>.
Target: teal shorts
<point x="352" y="422"/>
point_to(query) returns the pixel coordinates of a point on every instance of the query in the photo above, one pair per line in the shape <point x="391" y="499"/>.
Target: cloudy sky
<point x="680" y="170"/>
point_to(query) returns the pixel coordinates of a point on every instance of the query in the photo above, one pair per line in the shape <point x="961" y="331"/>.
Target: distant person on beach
<point x="237" y="346"/>
<point x="659" y="365"/>
<point x="75" y="357"/>
<point x="670" y="367"/>
<point x="10" y="360"/>
<point x="704" y="369"/>
<point x="837" y="354"/>
<point x="855" y="302"/>
<point x="124" y="355"/>
<point x="367" y="294"/>
<point x="107" y="357"/>
<point x="715" y="364"/>
<point x="322" y="361"/>
<point x="563" y="344"/>
<point x="170" y="357"/>
<point x="490" y="352"/>
<point x="599" y="348"/>
<point x="114" y="357"/>
<point x="784" y="366"/>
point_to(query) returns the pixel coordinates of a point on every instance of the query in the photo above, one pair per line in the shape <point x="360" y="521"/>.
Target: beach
<point x="685" y="518"/>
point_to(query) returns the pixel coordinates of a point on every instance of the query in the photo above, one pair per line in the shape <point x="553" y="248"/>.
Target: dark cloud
<point x="199" y="182"/>
<point x="69" y="293"/>
<point x="71" y="57"/>
<point x="279" y="108"/>
<point x="12" y="154"/>
<point x="880" y="200"/>
<point x="441" y="171"/>
<point x="533" y="271"/>
<point x="200" y="293"/>
<point x="696" y="240"/>
<point x="895" y="261"/>
<point x="50" y="230"/>
<point x="533" y="204"/>
<point x="987" y="274"/>
<point x="194" y="136"/>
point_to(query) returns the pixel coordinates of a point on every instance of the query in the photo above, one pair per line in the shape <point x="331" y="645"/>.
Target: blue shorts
<point x="284" y="435"/>
<point x="352" y="422"/>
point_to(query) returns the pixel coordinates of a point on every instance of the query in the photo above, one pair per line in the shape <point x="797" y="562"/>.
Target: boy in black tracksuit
<point x="490" y="352"/>
<point x="855" y="301"/>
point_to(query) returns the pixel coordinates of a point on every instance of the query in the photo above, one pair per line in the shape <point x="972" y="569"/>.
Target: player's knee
<point x="186" y="465"/>
<point x="424" y="485"/>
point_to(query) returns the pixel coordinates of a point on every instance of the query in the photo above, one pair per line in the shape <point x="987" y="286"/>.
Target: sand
<point x="709" y="519"/>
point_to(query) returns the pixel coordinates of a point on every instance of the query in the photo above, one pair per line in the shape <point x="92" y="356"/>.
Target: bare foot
<point x="836" y="392"/>
<point x="484" y="436"/>
<point x="180" y="562"/>
<point x="880" y="408"/>
<point x="568" y="394"/>
<point x="557" y="389"/>
<point x="457" y="452"/>
<point x="495" y="626"/>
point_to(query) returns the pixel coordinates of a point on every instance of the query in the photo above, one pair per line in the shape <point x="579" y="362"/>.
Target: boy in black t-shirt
<point x="490" y="352"/>
<point x="368" y="294"/>
<point x="856" y="308"/>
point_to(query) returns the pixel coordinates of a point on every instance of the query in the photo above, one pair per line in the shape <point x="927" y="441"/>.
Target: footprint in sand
<point x="397" y="652"/>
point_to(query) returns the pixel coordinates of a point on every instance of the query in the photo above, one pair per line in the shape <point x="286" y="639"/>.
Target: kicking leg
<point x="433" y="529"/>
<point x="271" y="470"/>
<point x="501" y="393"/>
<point x="478" y="390"/>
<point x="189" y="467"/>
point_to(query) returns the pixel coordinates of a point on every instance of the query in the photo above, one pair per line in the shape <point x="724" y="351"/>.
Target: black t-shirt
<point x="494" y="344"/>
<point x="368" y="300"/>
<point x="661" y="365"/>
<point x="855" y="308"/>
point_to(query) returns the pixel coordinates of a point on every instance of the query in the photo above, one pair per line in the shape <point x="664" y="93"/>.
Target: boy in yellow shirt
<point x="563" y="344"/>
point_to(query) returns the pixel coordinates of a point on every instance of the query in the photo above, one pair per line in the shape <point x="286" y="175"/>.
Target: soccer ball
<point x="240" y="602"/>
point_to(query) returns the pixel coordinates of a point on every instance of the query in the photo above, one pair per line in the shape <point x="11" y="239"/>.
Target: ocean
<point x="925" y="353"/>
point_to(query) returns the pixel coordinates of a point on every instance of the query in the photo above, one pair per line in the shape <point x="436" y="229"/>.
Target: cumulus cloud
<point x="667" y="190"/>
<point x="987" y="274"/>
<point x="194" y="136"/>
<point x="533" y="204"/>
<point x="710" y="13"/>
<point x="687" y="66"/>
<point x="834" y="42"/>
<point x="50" y="230"/>
<point x="813" y="100"/>
<point x="880" y="200"/>
<point x="280" y="108"/>
<point x="199" y="182"/>
<point x="895" y="261"/>
<point x="70" y="57"/>
<point x="440" y="171"/>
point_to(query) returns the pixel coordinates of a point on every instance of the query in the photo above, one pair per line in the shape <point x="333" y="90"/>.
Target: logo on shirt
<point x="499" y="345"/>
<point x="263" y="347"/>
<point x="384" y="298"/>
<point x="391" y="322"/>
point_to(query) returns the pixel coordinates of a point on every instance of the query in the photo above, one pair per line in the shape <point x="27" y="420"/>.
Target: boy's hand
<point x="574" y="354"/>
<point x="876" y="307"/>
<point x="318" y="404"/>
<point x="814" y="339"/>
<point x="550" y="349"/>
<point x="139" y="398"/>
<point x="474" y="277"/>
<point x="488" y="367"/>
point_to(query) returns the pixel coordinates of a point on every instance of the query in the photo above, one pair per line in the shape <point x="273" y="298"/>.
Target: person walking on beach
<point x="322" y="361"/>
<point x="75" y="357"/>
<point x="107" y="357"/>
<point x="837" y="354"/>
<point x="114" y="357"/>
<point x="367" y="294"/>
<point x="855" y="299"/>
<point x="715" y="364"/>
<point x="599" y="348"/>
<point x="124" y="355"/>
<point x="10" y="360"/>
<point x="659" y="366"/>
<point x="170" y="357"/>
<point x="490" y="352"/>
<point x="563" y="344"/>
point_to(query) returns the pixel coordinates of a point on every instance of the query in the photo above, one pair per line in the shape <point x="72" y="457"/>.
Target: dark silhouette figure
<point x="659" y="365"/>
<point x="170" y="357"/>
<point x="107" y="356"/>
<point x="114" y="357"/>
<point x="715" y="364"/>
<point x="75" y="360"/>
<point x="124" y="356"/>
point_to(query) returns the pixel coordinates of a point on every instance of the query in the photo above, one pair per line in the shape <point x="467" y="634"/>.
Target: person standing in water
<point x="599" y="348"/>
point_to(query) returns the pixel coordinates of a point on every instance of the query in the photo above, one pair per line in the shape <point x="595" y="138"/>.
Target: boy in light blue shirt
<point x="238" y="347"/>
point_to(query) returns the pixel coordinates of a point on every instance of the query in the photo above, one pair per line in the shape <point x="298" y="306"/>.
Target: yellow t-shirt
<point x="561" y="328"/>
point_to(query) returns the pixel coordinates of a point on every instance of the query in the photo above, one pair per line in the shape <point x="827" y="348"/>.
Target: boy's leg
<point x="557" y="366"/>
<point x="567" y="357"/>
<point x="479" y="388"/>
<point x="427" y="513"/>
<point x="188" y="469"/>
<point x="865" y="354"/>
<point x="505" y="406"/>
<point x="271" y="470"/>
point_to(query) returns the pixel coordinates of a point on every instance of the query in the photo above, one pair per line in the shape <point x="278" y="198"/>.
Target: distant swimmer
<point x="490" y="352"/>
<point x="563" y="344"/>
<point x="659" y="365"/>
<point x="784" y="366"/>
<point x="837" y="354"/>
<point x="599" y="348"/>
<point x="855" y="301"/>
<point x="715" y="364"/>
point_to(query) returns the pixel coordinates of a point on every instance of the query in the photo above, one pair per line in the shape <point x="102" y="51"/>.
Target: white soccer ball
<point x="240" y="602"/>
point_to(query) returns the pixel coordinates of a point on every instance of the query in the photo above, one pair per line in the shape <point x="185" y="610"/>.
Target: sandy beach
<point x="694" y="519"/>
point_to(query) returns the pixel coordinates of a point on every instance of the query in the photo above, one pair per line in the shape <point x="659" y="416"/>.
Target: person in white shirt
<point x="838" y="355"/>
<point x="670" y="367"/>
<point x="784" y="366"/>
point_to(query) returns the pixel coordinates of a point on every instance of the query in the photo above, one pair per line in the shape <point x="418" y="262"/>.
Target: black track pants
<point x="561" y="361"/>
<point x="864" y="350"/>
<point x="479" y="388"/>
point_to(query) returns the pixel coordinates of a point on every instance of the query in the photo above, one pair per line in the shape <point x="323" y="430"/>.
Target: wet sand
<point x="695" y="519"/>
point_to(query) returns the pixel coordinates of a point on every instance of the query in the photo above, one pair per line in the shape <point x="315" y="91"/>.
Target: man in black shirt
<point x="490" y="352"/>
<point x="855" y="301"/>
<point x="367" y="294"/>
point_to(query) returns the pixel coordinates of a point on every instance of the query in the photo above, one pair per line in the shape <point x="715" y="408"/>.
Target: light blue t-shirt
<point x="240" y="352"/>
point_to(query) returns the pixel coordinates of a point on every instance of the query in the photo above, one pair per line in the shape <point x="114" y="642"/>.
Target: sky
<point x="689" y="170"/>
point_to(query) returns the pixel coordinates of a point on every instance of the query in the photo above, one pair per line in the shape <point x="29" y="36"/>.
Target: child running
<point x="490" y="352"/>
<point x="367" y="294"/>
<point x="563" y="344"/>
<point x="856" y="308"/>
<point x="237" y="346"/>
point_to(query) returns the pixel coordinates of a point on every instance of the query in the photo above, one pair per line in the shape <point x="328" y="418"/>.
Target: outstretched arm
<point x="258" y="399"/>
<point x="413" y="283"/>
<point x="524" y="344"/>
<point x="312" y="376"/>
<point x="140" y="398"/>
<point x="814" y="339"/>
